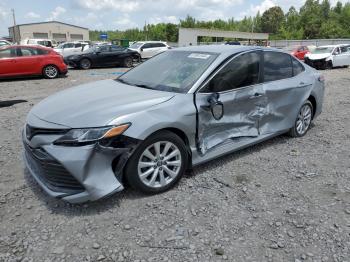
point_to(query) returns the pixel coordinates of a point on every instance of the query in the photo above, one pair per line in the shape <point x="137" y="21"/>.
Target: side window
<point x="344" y="49"/>
<point x="148" y="45"/>
<point x="277" y="66"/>
<point x="70" y="45"/>
<point x="240" y="72"/>
<point x="159" y="45"/>
<point x="297" y="67"/>
<point x="104" y="49"/>
<point x="7" y="53"/>
<point x="27" y="51"/>
<point x="42" y="52"/>
<point x="77" y="45"/>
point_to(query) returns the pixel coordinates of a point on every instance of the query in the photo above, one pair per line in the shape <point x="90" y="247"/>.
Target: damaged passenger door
<point x="285" y="86"/>
<point x="231" y="103"/>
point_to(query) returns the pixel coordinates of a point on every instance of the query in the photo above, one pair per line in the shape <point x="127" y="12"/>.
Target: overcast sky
<point x="123" y="14"/>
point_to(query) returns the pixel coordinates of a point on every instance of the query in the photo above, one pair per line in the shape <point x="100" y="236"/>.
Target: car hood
<point x="317" y="56"/>
<point x="97" y="104"/>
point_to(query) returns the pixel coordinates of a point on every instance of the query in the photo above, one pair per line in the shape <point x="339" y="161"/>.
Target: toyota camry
<point x="177" y="110"/>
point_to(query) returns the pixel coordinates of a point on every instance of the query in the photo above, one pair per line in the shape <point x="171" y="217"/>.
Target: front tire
<point x="303" y="121"/>
<point x="50" y="72"/>
<point x="85" y="63"/>
<point x="157" y="164"/>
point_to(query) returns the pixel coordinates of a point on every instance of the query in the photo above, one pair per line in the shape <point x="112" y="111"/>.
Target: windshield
<point x="323" y="50"/>
<point x="60" y="46"/>
<point x="173" y="71"/>
<point x="136" y="45"/>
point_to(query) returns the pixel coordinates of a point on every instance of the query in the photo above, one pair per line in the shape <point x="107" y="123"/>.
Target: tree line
<point x="315" y="19"/>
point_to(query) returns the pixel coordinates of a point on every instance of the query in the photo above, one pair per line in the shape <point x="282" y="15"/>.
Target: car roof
<point x="324" y="46"/>
<point x="145" y="42"/>
<point x="35" y="46"/>
<point x="222" y="49"/>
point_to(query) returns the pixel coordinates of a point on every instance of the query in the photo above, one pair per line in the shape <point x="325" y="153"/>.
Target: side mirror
<point x="141" y="49"/>
<point x="97" y="52"/>
<point x="216" y="107"/>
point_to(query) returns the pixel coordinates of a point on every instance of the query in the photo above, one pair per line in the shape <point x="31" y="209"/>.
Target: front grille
<point x="33" y="131"/>
<point x="54" y="175"/>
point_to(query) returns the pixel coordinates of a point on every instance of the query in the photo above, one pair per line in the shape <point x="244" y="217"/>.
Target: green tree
<point x="272" y="20"/>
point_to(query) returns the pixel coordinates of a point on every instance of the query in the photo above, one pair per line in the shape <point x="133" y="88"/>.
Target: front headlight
<point x="90" y="135"/>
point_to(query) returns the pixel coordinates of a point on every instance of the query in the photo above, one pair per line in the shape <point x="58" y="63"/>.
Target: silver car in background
<point x="179" y="109"/>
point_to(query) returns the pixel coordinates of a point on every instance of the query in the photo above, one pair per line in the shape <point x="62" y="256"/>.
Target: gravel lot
<point x="282" y="200"/>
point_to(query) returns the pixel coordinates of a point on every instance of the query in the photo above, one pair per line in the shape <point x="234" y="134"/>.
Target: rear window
<point x="277" y="66"/>
<point x="29" y="51"/>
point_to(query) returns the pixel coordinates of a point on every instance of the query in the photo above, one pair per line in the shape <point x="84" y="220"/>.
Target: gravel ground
<point x="282" y="200"/>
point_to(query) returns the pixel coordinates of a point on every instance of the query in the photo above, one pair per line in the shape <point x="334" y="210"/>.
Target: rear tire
<point x="158" y="163"/>
<point x="303" y="121"/>
<point x="50" y="72"/>
<point x="85" y="63"/>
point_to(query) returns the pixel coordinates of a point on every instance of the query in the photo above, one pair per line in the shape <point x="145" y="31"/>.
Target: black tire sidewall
<point x="81" y="62"/>
<point x="131" y="170"/>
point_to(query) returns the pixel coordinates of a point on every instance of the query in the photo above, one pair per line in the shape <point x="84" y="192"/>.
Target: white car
<point x="4" y="42"/>
<point x="147" y="49"/>
<point x="329" y="56"/>
<point x="71" y="48"/>
<point x="42" y="42"/>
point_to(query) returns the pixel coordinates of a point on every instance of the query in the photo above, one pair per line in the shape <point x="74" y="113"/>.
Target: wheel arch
<point x="312" y="99"/>
<point x="180" y="133"/>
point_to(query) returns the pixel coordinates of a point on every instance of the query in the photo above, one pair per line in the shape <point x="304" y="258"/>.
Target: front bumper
<point x="76" y="174"/>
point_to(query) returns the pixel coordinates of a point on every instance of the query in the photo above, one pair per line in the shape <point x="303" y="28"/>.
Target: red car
<point x="17" y="60"/>
<point x="299" y="51"/>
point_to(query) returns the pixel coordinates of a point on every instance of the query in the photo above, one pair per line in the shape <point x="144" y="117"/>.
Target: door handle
<point x="302" y="84"/>
<point x="256" y="95"/>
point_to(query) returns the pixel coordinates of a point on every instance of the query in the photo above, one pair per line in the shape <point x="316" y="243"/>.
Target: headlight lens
<point x="90" y="135"/>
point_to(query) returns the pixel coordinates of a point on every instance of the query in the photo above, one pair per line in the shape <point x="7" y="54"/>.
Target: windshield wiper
<point x="144" y="86"/>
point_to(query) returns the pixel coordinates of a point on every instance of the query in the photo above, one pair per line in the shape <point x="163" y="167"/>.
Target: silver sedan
<point x="177" y="110"/>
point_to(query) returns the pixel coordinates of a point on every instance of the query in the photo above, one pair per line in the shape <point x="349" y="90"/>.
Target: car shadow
<point x="27" y="78"/>
<point x="58" y="206"/>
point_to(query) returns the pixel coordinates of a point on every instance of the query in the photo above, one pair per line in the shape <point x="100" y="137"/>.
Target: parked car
<point x="42" y="42"/>
<point x="17" y="60"/>
<point x="103" y="55"/>
<point x="298" y="51"/>
<point x="4" y="42"/>
<point x="148" y="49"/>
<point x="179" y="109"/>
<point x="70" y="48"/>
<point x="327" y="57"/>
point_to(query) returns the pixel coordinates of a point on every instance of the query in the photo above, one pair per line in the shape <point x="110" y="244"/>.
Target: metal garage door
<point x="76" y="37"/>
<point x="40" y="35"/>
<point x="59" y="37"/>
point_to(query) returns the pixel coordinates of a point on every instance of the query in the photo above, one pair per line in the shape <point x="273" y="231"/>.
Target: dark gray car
<point x="177" y="110"/>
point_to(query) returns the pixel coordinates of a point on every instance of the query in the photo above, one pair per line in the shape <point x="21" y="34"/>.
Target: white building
<point x="48" y="30"/>
<point x="189" y="36"/>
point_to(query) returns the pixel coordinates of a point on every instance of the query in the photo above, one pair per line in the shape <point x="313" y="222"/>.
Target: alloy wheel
<point x="159" y="164"/>
<point x="85" y="64"/>
<point x="51" y="71"/>
<point x="304" y="119"/>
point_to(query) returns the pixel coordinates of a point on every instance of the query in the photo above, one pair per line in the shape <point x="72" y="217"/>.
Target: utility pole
<point x="13" y="16"/>
<point x="14" y="25"/>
